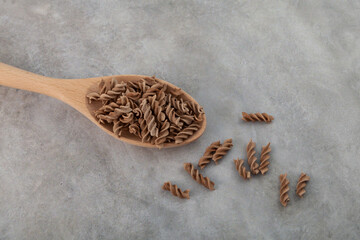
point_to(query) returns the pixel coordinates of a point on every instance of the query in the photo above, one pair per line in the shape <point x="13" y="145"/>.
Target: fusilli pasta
<point x="176" y="191"/>
<point x="222" y="150"/>
<point x="198" y="177"/>
<point x="264" y="158"/>
<point x="300" y="186"/>
<point x="186" y="132"/>
<point x="250" y="150"/>
<point x="146" y="109"/>
<point x="257" y="117"/>
<point x="284" y="189"/>
<point x="239" y="165"/>
<point x="208" y="155"/>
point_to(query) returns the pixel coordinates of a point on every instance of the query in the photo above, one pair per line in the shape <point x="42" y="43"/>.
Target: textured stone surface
<point x="61" y="177"/>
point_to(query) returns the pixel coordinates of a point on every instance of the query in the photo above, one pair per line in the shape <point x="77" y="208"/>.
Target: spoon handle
<point x="70" y="91"/>
<point x="21" y="79"/>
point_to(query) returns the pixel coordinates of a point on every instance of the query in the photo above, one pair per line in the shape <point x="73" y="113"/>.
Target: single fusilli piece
<point x="161" y="96"/>
<point x="300" y="187"/>
<point x="118" y="128"/>
<point x="152" y="90"/>
<point x="264" y="158"/>
<point x="118" y="88"/>
<point x="176" y="191"/>
<point x="186" y="133"/>
<point x="94" y="96"/>
<point x="118" y="112"/>
<point x="239" y="165"/>
<point x="170" y="113"/>
<point x="149" y="118"/>
<point x="257" y="117"/>
<point x="163" y="134"/>
<point x="156" y="108"/>
<point x="187" y="119"/>
<point x="102" y="87"/>
<point x="197" y="110"/>
<point x="222" y="150"/>
<point x="145" y="134"/>
<point x="198" y="177"/>
<point x="134" y="128"/>
<point x="284" y="189"/>
<point x="178" y="104"/>
<point x="133" y="95"/>
<point x="208" y="155"/>
<point x="250" y="150"/>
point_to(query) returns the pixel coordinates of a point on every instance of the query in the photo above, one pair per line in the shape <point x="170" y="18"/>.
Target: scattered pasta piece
<point x="148" y="110"/>
<point x="264" y="158"/>
<point x="241" y="169"/>
<point x="250" y="150"/>
<point x="198" y="177"/>
<point x="222" y="150"/>
<point x="300" y="187"/>
<point x="257" y="117"/>
<point x="284" y="189"/>
<point x="176" y="191"/>
<point x="208" y="155"/>
<point x="186" y="133"/>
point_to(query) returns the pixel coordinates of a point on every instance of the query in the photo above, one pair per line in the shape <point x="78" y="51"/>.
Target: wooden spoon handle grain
<point x="70" y="91"/>
<point x="21" y="79"/>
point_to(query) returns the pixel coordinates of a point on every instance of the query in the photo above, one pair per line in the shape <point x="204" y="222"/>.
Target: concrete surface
<point x="61" y="177"/>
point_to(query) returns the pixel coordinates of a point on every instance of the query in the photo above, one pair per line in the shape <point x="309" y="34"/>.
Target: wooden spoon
<point x="74" y="91"/>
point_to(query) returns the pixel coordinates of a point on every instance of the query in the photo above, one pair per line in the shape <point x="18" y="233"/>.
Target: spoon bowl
<point x="74" y="91"/>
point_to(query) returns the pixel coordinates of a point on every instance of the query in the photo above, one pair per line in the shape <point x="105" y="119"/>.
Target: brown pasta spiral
<point x="239" y="165"/>
<point x="250" y="150"/>
<point x="187" y="119"/>
<point x="178" y="104"/>
<point x="284" y="189"/>
<point x="176" y="191"/>
<point x="152" y="90"/>
<point x="174" y="129"/>
<point x="133" y="95"/>
<point x="111" y="92"/>
<point x="186" y="133"/>
<point x="164" y="133"/>
<point x="93" y="96"/>
<point x="257" y="117"/>
<point x="222" y="150"/>
<point x="102" y="87"/>
<point x="264" y="158"/>
<point x="118" y="128"/>
<point x="156" y="108"/>
<point x="208" y="155"/>
<point x="141" y="86"/>
<point x="118" y="88"/>
<point x="117" y="113"/>
<point x="300" y="187"/>
<point x="145" y="134"/>
<point x="198" y="177"/>
<point x="150" y="81"/>
<point x="161" y="96"/>
<point x="149" y="118"/>
<point x="107" y="108"/>
<point x="197" y="110"/>
<point x="170" y="113"/>
<point x="134" y="128"/>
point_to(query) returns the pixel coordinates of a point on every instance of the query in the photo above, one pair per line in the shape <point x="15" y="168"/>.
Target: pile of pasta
<point x="147" y="109"/>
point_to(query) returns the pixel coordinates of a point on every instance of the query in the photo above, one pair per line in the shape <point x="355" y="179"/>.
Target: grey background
<point x="61" y="177"/>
